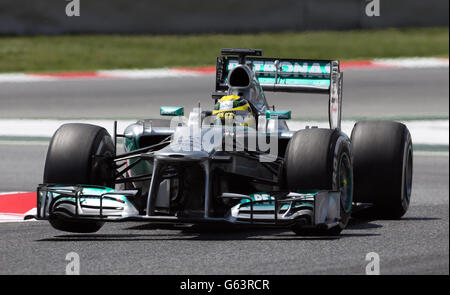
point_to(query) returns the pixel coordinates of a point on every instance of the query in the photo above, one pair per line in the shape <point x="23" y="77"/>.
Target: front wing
<point x="319" y="209"/>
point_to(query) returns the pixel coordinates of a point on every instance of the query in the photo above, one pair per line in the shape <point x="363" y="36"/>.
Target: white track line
<point x="147" y="74"/>
<point x="46" y="128"/>
<point x="20" y="77"/>
<point x="6" y="218"/>
<point x="428" y="132"/>
<point x="15" y="217"/>
<point x="11" y="193"/>
<point x="413" y="63"/>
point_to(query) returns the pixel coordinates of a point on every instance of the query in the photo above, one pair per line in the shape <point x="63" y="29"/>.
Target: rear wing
<point x="285" y="75"/>
<point x="291" y="75"/>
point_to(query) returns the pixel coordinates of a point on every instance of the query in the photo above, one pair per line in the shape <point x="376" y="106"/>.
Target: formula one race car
<point x="236" y="164"/>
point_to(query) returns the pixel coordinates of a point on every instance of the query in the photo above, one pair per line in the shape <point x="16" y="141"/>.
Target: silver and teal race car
<point x="201" y="169"/>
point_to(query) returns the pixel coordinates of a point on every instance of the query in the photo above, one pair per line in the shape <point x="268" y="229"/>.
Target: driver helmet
<point x="232" y="109"/>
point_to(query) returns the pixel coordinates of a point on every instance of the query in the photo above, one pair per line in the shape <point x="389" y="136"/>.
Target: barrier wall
<point x="208" y="16"/>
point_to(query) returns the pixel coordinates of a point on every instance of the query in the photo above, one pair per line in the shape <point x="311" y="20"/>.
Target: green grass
<point x="93" y="52"/>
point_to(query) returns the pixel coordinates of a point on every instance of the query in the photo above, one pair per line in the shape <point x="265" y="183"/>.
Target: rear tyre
<point x="383" y="167"/>
<point x="320" y="159"/>
<point x="79" y="154"/>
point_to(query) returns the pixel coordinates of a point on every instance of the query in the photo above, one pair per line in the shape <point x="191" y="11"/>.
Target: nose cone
<point x="167" y="154"/>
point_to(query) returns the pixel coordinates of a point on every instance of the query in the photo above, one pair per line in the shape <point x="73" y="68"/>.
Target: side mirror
<point x="282" y="115"/>
<point x="171" y="111"/>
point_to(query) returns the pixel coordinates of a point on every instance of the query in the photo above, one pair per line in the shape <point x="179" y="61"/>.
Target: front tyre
<point x="320" y="159"/>
<point x="79" y="154"/>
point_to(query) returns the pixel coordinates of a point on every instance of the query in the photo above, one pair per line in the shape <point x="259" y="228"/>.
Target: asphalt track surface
<point x="399" y="93"/>
<point x="416" y="244"/>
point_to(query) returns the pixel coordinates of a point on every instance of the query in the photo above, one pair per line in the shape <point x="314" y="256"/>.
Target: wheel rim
<point x="408" y="176"/>
<point x="346" y="182"/>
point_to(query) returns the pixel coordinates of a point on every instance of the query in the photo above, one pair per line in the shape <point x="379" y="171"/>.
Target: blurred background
<point x="21" y="17"/>
<point x="77" y="35"/>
